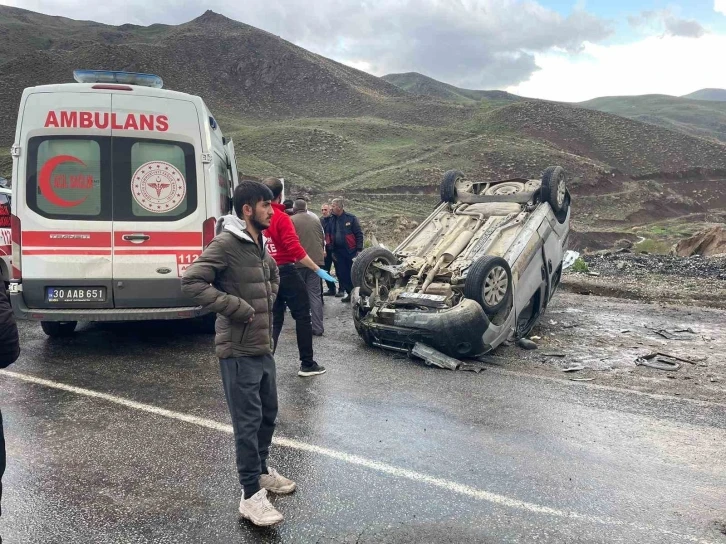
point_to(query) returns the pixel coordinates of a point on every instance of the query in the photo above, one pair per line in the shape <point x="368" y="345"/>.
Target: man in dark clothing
<point x="328" y="264"/>
<point x="284" y="246"/>
<point x="344" y="238"/>
<point x="237" y="279"/>
<point x="9" y="352"/>
<point x="312" y="239"/>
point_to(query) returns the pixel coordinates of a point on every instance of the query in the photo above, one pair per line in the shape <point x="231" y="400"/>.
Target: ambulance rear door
<point x="63" y="187"/>
<point x="158" y="201"/>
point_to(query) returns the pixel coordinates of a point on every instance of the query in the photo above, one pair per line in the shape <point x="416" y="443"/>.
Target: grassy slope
<point x="355" y="135"/>
<point x="697" y="117"/>
<point x="718" y="95"/>
<point x="420" y="84"/>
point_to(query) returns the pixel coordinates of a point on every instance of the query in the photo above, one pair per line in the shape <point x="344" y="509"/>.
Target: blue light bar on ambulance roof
<point x="124" y="78"/>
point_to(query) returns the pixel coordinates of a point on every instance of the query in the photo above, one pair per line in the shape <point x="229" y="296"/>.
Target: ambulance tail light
<point x="16" y="239"/>
<point x="208" y="228"/>
<point x="122" y="78"/>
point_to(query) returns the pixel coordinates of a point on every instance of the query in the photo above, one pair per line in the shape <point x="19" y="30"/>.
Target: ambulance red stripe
<point x="170" y="251"/>
<point x="161" y="239"/>
<point x="65" y="251"/>
<point x="36" y="238"/>
<point x="103" y="239"/>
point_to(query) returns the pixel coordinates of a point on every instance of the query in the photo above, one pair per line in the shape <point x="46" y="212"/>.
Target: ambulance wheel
<point x="58" y="329"/>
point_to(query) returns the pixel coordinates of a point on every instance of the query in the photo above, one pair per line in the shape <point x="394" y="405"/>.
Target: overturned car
<point x="478" y="271"/>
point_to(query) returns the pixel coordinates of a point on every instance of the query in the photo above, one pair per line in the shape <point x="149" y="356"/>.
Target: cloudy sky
<point x="568" y="50"/>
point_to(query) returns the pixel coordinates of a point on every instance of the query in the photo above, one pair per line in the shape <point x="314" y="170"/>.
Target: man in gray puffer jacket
<point x="237" y="279"/>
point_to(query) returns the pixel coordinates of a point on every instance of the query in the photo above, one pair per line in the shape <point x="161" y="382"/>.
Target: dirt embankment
<point x="652" y="278"/>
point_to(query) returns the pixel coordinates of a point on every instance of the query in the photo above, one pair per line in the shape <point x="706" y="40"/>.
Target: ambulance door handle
<point x="136" y="238"/>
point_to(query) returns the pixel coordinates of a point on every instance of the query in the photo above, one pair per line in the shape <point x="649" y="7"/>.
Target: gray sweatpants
<point x="312" y="281"/>
<point x="251" y="390"/>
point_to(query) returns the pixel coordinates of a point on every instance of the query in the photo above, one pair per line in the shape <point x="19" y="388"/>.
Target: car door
<point x="159" y="201"/>
<point x="63" y="200"/>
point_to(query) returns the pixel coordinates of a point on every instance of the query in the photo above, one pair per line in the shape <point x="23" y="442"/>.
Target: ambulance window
<point x="66" y="177"/>
<point x="223" y="186"/>
<point x="154" y="180"/>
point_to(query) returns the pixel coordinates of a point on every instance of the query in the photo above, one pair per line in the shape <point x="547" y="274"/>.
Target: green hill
<point x="331" y="129"/>
<point x="706" y="119"/>
<point x="422" y="85"/>
<point x="715" y="95"/>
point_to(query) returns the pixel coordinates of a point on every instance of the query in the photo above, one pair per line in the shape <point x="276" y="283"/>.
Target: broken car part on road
<point x="479" y="271"/>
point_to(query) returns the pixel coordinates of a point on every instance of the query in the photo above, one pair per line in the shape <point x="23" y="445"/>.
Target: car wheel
<point x="58" y="329"/>
<point x="554" y="187"/>
<point x="448" y="186"/>
<point x="364" y="274"/>
<point x="489" y="282"/>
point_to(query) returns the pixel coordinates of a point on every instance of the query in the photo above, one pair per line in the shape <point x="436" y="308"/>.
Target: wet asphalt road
<point x="383" y="449"/>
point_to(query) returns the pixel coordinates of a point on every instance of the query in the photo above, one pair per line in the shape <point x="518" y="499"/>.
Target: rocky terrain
<point x="331" y="130"/>
<point x="651" y="278"/>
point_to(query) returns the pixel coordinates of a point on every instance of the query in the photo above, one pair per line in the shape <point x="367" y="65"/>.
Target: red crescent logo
<point x="44" y="181"/>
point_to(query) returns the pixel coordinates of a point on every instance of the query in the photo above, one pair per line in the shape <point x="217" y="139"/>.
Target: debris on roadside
<point x="469" y="367"/>
<point x="663" y="361"/>
<point x="582" y="379"/>
<point x="433" y="357"/>
<point x="670" y="366"/>
<point x="554" y="355"/>
<point x="526" y="343"/>
<point x="569" y="259"/>
<point x="575" y="368"/>
<point x="491" y="360"/>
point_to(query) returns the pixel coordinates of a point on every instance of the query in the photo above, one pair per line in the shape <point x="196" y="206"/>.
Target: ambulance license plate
<point x="75" y="294"/>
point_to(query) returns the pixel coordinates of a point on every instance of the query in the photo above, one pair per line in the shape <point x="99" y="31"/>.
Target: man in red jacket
<point x="284" y="246"/>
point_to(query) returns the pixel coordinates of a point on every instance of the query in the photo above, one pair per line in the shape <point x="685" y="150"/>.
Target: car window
<point x="66" y="177"/>
<point x="154" y="180"/>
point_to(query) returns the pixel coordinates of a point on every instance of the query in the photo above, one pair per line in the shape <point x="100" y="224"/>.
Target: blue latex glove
<point x="325" y="276"/>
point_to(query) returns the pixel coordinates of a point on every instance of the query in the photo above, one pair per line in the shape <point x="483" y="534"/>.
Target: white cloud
<point x="667" y="65"/>
<point x="720" y="6"/>
<point x="473" y="43"/>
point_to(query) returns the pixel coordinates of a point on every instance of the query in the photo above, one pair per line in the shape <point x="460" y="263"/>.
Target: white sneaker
<point x="259" y="510"/>
<point x="276" y="482"/>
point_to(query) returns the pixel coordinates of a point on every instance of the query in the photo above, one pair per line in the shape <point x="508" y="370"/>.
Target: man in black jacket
<point x="344" y="238"/>
<point x="325" y="218"/>
<point x="9" y="352"/>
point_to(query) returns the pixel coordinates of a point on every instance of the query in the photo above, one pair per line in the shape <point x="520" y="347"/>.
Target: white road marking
<point x="392" y="470"/>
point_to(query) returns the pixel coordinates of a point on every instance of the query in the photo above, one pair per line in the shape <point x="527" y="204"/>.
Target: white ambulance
<point x="117" y="185"/>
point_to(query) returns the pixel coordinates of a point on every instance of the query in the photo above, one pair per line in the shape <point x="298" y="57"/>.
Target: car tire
<point x="360" y="273"/>
<point x="489" y="282"/>
<point x="58" y="329"/>
<point x="554" y="188"/>
<point x="447" y="188"/>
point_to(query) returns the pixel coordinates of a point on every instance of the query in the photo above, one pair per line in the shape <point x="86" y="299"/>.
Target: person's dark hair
<point x="249" y="192"/>
<point x="275" y="185"/>
<point x="288" y="204"/>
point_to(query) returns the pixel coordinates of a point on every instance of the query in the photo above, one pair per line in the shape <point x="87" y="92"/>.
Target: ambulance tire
<point x="58" y="329"/>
